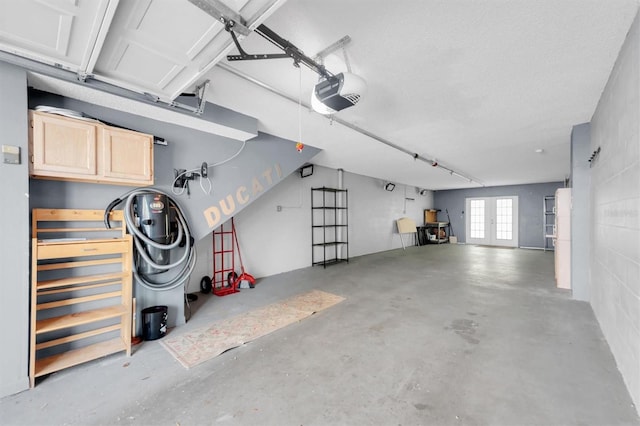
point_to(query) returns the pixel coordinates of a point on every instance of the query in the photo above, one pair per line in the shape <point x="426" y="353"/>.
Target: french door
<point x="492" y="221"/>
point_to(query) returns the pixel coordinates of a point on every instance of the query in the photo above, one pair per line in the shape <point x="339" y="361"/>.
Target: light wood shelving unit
<point x="76" y="307"/>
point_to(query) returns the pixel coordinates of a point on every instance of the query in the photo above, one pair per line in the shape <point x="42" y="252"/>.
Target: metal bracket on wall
<point x="83" y="76"/>
<point x="199" y="94"/>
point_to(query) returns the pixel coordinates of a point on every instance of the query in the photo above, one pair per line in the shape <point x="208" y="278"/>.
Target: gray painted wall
<point x="15" y="229"/>
<point x="615" y="207"/>
<point x="263" y="163"/>
<point x="530" y="205"/>
<point x="580" y="213"/>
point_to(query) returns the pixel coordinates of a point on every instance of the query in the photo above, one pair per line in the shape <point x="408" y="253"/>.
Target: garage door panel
<point x="163" y="47"/>
<point x="52" y="31"/>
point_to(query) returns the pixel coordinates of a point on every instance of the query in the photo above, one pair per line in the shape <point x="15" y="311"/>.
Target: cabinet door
<point x="63" y="146"/>
<point x="563" y="264"/>
<point x="563" y="214"/>
<point x="127" y="156"/>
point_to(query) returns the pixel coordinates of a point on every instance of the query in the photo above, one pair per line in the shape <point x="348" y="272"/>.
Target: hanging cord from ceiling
<point x="299" y="105"/>
<point x="299" y="204"/>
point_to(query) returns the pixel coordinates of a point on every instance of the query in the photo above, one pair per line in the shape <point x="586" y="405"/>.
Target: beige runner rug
<point x="202" y="344"/>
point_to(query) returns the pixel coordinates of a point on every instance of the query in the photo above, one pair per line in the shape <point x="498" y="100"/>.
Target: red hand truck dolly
<point x="225" y="280"/>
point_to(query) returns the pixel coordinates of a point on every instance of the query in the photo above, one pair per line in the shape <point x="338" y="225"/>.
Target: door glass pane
<point x="504" y="219"/>
<point x="477" y="219"/>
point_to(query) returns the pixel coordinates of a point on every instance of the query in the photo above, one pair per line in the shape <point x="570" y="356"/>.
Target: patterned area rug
<point x="202" y="344"/>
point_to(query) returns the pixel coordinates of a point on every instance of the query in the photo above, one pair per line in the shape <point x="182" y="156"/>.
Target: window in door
<point x="492" y="221"/>
<point x="476" y="212"/>
<point x="504" y="219"/>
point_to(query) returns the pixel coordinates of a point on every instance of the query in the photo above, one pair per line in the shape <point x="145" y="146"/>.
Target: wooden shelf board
<point x="85" y="279"/>
<point x="77" y="356"/>
<point x="82" y="249"/>
<point x="77" y="300"/>
<point x="78" y="264"/>
<point x="79" y="336"/>
<point x="79" y="318"/>
<point x="78" y="287"/>
<point x="93" y="229"/>
<point x="63" y="215"/>
<point x="66" y="241"/>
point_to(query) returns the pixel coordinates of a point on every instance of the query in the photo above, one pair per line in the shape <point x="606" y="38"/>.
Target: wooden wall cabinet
<point x="81" y="289"/>
<point x="65" y="148"/>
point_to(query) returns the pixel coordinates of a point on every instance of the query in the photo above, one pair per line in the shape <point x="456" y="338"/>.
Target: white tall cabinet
<point x="562" y="238"/>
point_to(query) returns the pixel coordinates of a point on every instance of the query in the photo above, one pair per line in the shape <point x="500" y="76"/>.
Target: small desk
<point x="436" y="232"/>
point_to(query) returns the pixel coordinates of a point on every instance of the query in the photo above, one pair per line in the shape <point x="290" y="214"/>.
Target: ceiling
<point x="475" y="86"/>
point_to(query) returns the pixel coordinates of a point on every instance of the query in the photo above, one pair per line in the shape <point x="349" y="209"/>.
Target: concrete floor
<point x="434" y="335"/>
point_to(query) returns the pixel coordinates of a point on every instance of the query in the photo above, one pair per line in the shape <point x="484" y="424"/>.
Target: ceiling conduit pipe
<point x="415" y="156"/>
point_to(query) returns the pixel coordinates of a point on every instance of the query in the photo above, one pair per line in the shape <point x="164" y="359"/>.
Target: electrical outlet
<point x="279" y="208"/>
<point x="204" y="170"/>
<point x="11" y="154"/>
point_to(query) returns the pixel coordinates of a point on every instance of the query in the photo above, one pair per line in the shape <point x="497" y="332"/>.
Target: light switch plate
<point x="11" y="154"/>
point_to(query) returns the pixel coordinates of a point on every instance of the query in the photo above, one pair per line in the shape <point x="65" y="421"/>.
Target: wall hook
<point x="594" y="156"/>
